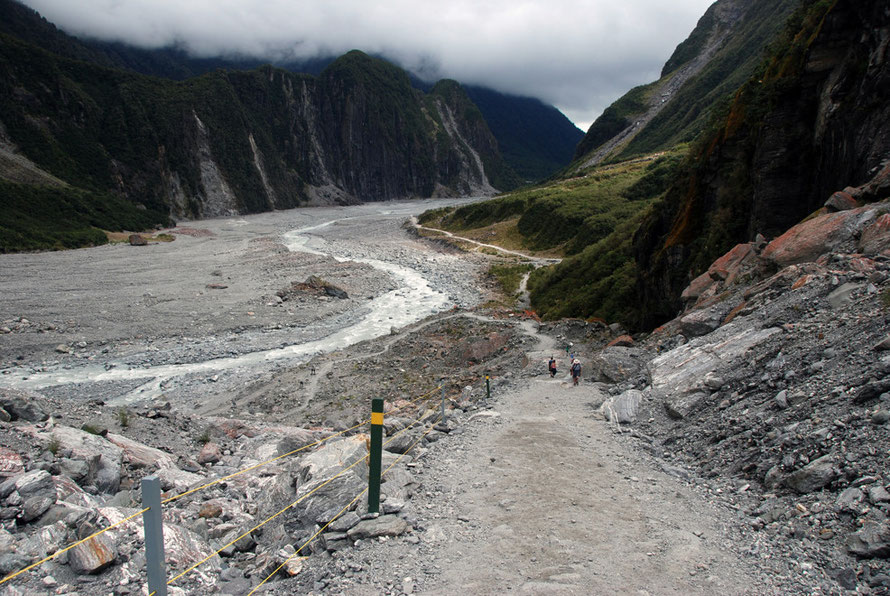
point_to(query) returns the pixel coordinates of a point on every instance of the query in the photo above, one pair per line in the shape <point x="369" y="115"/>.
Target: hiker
<point x="552" y="367"/>
<point x="576" y="371"/>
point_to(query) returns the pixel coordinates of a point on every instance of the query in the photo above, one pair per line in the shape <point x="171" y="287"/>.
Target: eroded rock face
<point x="92" y="556"/>
<point x="624" y="408"/>
<point x="809" y="240"/>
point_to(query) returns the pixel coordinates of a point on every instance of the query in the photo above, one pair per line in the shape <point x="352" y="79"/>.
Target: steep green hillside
<point x="535" y="139"/>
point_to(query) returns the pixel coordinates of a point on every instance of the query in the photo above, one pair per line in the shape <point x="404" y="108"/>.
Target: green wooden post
<point x="443" y="400"/>
<point x="375" y="456"/>
<point x="487" y="388"/>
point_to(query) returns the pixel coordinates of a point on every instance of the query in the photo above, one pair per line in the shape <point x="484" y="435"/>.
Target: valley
<point x="126" y="324"/>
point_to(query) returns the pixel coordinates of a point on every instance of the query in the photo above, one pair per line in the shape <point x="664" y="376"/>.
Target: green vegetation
<point x="204" y="437"/>
<point x="123" y="417"/>
<point x="54" y="445"/>
<point x="599" y="282"/>
<point x="570" y="214"/>
<point x="510" y="276"/>
<point x="592" y="219"/>
<point x="44" y="218"/>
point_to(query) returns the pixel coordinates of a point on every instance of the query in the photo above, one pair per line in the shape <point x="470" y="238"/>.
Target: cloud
<point x="579" y="55"/>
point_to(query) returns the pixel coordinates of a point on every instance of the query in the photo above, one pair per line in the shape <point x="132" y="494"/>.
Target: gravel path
<point x="537" y="495"/>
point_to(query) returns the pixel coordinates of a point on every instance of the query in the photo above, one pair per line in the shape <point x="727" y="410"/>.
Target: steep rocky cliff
<point x="813" y="120"/>
<point x="240" y="141"/>
<point x="718" y="56"/>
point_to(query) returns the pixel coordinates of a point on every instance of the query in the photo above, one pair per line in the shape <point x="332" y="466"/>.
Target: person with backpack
<point x="551" y="366"/>
<point x="576" y="371"/>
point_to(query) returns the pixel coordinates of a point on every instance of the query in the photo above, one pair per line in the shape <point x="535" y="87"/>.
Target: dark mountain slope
<point x="237" y="141"/>
<point x="534" y="138"/>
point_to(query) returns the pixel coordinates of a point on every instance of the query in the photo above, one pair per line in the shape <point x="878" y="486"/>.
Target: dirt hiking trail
<point x="536" y="494"/>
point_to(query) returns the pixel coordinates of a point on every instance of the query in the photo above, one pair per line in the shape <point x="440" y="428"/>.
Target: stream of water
<point x="414" y="300"/>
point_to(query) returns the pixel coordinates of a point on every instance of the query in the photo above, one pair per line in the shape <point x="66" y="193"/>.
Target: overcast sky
<point x="579" y="55"/>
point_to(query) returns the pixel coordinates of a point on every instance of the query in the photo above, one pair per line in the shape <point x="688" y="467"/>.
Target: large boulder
<point x="83" y="445"/>
<point x="624" y="408"/>
<point x="139" y="455"/>
<point x="680" y="377"/>
<point x="21" y="405"/>
<point x="385" y="525"/>
<point x="728" y="267"/>
<point x="872" y="541"/>
<point x="814" y="476"/>
<point x="327" y="480"/>
<point x="704" y="320"/>
<point x="92" y="556"/>
<point x="875" y="238"/>
<point x="617" y="364"/>
<point x="809" y="240"/>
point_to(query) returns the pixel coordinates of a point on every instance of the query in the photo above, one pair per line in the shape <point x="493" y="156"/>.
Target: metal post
<point x="487" y="388"/>
<point x="443" y="400"/>
<point x="153" y="525"/>
<point x="375" y="456"/>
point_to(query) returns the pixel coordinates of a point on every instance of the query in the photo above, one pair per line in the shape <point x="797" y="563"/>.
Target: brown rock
<point x="801" y="282"/>
<point x="210" y="510"/>
<point x="624" y="341"/>
<point x="137" y="240"/>
<point x="698" y="286"/>
<point x="92" y="556"/>
<point x="840" y="201"/>
<point x="210" y="453"/>
<point x="810" y="239"/>
<point x="727" y="267"/>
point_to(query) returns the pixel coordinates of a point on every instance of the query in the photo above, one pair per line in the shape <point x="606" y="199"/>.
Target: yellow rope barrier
<point x="230" y="476"/>
<point x="254" y="467"/>
<point x="313" y="537"/>
<point x="320" y="441"/>
<point x="65" y="550"/>
<point x="342" y="511"/>
<point x="257" y="527"/>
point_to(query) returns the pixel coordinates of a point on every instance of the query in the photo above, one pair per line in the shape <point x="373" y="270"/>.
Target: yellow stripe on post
<point x="376" y="417"/>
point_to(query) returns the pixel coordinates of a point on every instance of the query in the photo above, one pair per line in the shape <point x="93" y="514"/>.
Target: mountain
<point x="814" y="119"/>
<point x="535" y="139"/>
<point x="226" y="141"/>
<point x="719" y="55"/>
<point x="810" y="119"/>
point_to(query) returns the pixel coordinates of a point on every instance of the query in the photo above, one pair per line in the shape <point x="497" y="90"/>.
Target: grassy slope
<point x="43" y="218"/>
<point x="590" y="218"/>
